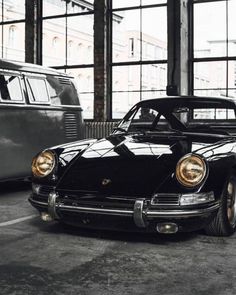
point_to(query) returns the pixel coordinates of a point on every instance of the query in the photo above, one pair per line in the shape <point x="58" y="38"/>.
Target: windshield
<point x="193" y="118"/>
<point x="146" y="118"/>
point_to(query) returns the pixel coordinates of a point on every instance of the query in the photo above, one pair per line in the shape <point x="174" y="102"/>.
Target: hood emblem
<point x="106" y="181"/>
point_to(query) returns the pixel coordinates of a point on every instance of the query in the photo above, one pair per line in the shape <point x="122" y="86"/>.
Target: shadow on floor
<point x="13" y="186"/>
<point x="153" y="238"/>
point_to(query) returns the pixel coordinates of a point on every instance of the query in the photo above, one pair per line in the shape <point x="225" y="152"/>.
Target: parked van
<point x="39" y="107"/>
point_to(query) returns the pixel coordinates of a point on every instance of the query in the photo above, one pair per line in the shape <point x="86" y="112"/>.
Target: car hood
<point x="131" y="165"/>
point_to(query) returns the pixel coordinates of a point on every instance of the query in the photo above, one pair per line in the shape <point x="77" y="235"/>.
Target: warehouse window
<point x="72" y="24"/>
<point x="214" y="48"/>
<point x="12" y="29"/>
<point x="138" y="45"/>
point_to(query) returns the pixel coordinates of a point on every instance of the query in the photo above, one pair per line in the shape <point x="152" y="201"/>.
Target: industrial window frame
<point x="140" y="62"/>
<point x="5" y="23"/>
<point x="193" y="60"/>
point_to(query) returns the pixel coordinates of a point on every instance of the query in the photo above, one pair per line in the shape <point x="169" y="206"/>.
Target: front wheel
<point x="224" y="223"/>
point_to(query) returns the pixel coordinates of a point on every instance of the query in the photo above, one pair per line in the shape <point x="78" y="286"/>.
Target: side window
<point x="37" y="90"/>
<point x="10" y="88"/>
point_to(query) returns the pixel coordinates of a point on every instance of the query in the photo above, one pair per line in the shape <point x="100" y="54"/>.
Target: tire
<point x="224" y="223"/>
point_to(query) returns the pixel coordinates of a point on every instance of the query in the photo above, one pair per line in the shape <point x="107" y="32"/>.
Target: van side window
<point x="10" y="88"/>
<point x="37" y="90"/>
<point x="62" y="91"/>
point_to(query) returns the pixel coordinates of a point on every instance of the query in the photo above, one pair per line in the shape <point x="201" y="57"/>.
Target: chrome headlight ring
<point x="43" y="164"/>
<point x="191" y="170"/>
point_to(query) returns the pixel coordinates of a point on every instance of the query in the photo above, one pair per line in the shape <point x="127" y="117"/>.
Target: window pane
<point x="13" y="9"/>
<point x="154" y="78"/>
<point x="232" y="74"/>
<point x="126" y="89"/>
<point x="150" y="2"/>
<point x="79" y="6"/>
<point x="54" y="7"/>
<point x="126" y="36"/>
<point x="126" y="78"/>
<point x="37" y="90"/>
<point x="232" y="27"/>
<point x="1" y="14"/>
<point x="84" y="80"/>
<point x="210" y="77"/>
<point x="10" y="88"/>
<point x="14" y="42"/>
<point x="154" y="33"/>
<point x="80" y="39"/>
<point x="125" y="3"/>
<point x="232" y="93"/>
<point x="122" y="102"/>
<point x="54" y="42"/>
<point x="210" y="29"/>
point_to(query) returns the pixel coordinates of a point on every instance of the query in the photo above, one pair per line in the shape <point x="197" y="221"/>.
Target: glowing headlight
<point x="190" y="170"/>
<point x="43" y="164"/>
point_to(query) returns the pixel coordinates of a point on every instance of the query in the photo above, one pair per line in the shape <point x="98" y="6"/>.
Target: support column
<point x="101" y="104"/>
<point x="33" y="31"/>
<point x="178" y="47"/>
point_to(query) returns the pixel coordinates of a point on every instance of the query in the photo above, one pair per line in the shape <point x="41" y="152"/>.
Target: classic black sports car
<point x="169" y="166"/>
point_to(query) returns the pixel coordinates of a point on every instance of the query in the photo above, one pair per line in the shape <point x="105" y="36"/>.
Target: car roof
<point x="27" y="67"/>
<point x="189" y="101"/>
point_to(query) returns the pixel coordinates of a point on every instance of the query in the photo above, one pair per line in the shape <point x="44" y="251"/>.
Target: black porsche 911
<point x="169" y="166"/>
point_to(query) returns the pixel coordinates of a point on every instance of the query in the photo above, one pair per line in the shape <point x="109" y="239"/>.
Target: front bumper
<point x="142" y="212"/>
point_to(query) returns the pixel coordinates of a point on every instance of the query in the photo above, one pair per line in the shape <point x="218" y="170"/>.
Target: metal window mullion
<point x="191" y="47"/>
<point x="11" y="22"/>
<point x="141" y="51"/>
<point x="139" y="7"/>
<point x="2" y="26"/>
<point x="211" y="59"/>
<point x="67" y="67"/>
<point x="133" y="63"/>
<point x="227" y="48"/>
<point x="205" y="1"/>
<point x="66" y="35"/>
<point x="67" y="15"/>
<point x="39" y="33"/>
<point x="109" y="57"/>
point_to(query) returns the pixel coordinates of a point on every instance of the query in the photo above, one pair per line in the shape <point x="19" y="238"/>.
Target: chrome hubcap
<point x="231" y="204"/>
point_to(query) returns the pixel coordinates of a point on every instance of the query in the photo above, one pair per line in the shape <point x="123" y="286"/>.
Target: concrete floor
<point x="48" y="258"/>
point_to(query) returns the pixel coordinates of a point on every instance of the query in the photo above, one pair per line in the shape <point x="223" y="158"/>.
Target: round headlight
<point x="43" y="164"/>
<point x="190" y="170"/>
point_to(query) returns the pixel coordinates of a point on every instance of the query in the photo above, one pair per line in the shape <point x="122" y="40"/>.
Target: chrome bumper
<point x="140" y="213"/>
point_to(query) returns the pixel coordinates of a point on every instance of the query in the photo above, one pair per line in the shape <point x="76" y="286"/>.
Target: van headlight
<point x="191" y="170"/>
<point x="43" y="164"/>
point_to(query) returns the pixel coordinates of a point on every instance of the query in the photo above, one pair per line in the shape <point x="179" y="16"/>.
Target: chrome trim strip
<point x="148" y="213"/>
<point x="138" y="213"/>
<point x="182" y="213"/>
<point x="95" y="210"/>
<point x="37" y="202"/>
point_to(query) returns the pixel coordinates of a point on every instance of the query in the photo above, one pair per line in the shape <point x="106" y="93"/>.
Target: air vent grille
<point x="64" y="81"/>
<point x="71" y="126"/>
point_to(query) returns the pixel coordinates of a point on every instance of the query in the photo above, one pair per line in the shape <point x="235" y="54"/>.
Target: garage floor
<point x="48" y="258"/>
